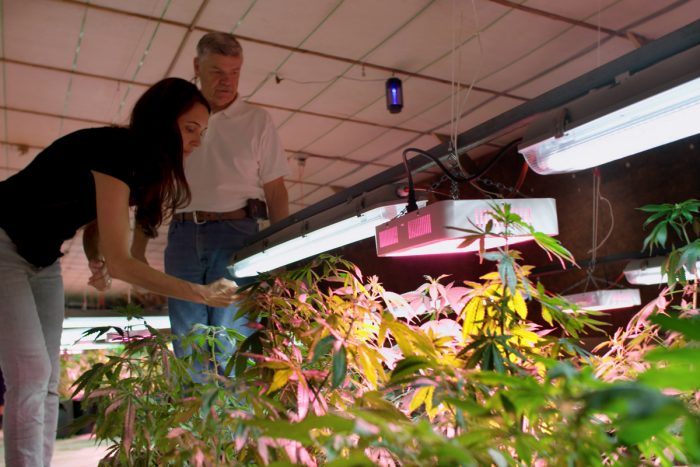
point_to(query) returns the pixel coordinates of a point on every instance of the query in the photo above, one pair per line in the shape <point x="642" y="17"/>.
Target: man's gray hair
<point x="221" y="43"/>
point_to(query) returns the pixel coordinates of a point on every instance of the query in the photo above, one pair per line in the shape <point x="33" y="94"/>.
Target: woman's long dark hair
<point x="162" y="186"/>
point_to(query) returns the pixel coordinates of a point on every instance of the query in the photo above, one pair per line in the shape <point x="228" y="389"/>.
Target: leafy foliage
<point x="343" y="372"/>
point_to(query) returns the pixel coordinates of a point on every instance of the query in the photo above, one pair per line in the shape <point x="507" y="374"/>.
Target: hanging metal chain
<point x="502" y="188"/>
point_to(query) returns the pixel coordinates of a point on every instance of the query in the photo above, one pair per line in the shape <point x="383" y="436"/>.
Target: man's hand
<point x="100" y="278"/>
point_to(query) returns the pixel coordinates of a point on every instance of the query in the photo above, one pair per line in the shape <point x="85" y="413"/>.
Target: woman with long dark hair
<point x="90" y="177"/>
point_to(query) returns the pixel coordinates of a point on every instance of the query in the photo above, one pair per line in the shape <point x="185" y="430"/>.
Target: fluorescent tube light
<point x="87" y="322"/>
<point x="648" y="271"/>
<point x="653" y="107"/>
<point x="430" y="230"/>
<point x="307" y="244"/>
<point x="606" y="299"/>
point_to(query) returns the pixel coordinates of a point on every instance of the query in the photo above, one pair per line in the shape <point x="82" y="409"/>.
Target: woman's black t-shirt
<point x="47" y="202"/>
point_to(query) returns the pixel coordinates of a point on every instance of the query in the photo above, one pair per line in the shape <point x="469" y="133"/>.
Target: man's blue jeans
<point x="200" y="253"/>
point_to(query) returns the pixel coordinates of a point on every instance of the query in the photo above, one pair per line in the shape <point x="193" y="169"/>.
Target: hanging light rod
<point x="337" y="227"/>
<point x="640" y="111"/>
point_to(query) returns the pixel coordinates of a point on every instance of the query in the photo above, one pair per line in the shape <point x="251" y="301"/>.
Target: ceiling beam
<point x="300" y="50"/>
<point x="637" y="39"/>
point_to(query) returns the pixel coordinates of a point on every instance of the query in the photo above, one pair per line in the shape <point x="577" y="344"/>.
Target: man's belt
<point x="200" y="217"/>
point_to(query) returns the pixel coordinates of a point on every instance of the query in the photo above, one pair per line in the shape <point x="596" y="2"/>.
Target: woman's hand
<point x="100" y="278"/>
<point x="220" y="293"/>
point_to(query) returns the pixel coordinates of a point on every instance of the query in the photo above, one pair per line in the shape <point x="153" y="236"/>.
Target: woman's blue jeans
<point x="201" y="253"/>
<point x="32" y="307"/>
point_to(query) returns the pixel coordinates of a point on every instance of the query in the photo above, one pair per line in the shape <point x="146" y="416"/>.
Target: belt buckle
<point x="194" y="218"/>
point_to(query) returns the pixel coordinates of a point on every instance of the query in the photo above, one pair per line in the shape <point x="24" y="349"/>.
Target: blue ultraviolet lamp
<point x="394" y="95"/>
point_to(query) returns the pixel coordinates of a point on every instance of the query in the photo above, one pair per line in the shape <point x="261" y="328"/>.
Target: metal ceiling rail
<point x="300" y="50"/>
<point x="637" y="60"/>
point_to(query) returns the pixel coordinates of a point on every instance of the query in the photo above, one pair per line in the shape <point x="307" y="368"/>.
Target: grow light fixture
<point x="606" y="299"/>
<point x="345" y="224"/>
<point x="431" y="230"/>
<point x="655" y="106"/>
<point x="648" y="271"/>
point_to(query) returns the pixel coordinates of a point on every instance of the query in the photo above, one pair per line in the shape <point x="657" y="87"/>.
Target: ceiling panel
<point x="174" y="10"/>
<point x="481" y="114"/>
<point x="301" y="130"/>
<point x="359" y="26"/>
<point x="388" y="142"/>
<point x="572" y="69"/>
<point x="267" y="18"/>
<point x="315" y="195"/>
<point x="353" y="92"/>
<point x="359" y="174"/>
<point x="303" y="77"/>
<point x="343" y="139"/>
<point x="36" y="89"/>
<point x="331" y="172"/>
<point x="565" y="45"/>
<point x="41" y="31"/>
<point x="31" y="129"/>
<point x="111" y="102"/>
<point x="441" y="28"/>
<point x="15" y="157"/>
<point x="127" y="48"/>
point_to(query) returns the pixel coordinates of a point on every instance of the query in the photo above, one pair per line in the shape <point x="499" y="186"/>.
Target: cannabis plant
<point x="341" y="371"/>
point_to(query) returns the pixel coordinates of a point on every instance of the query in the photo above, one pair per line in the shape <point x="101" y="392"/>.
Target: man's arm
<point x="277" y="199"/>
<point x="139" y="243"/>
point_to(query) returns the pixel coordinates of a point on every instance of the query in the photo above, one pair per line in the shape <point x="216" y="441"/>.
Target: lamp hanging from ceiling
<point x="647" y="271"/>
<point x="655" y="106"/>
<point x="611" y="299"/>
<point x="434" y="229"/>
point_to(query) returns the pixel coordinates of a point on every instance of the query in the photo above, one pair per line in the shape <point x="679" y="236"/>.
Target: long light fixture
<point x="431" y="230"/>
<point x="348" y="223"/>
<point x="648" y="271"/>
<point x="655" y="106"/>
<point x="599" y="300"/>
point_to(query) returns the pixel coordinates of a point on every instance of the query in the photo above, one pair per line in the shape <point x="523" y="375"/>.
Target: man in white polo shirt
<point x="240" y="159"/>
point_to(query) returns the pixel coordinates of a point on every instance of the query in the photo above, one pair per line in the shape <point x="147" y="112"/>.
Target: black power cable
<point x="413" y="204"/>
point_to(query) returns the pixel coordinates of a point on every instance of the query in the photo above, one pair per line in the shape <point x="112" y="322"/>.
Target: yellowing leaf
<point x="473" y="317"/>
<point x="491" y="276"/>
<point x="419" y="398"/>
<point x="526" y="337"/>
<point x="369" y="370"/>
<point x="280" y="379"/>
<point x="546" y="315"/>
<point x="519" y="305"/>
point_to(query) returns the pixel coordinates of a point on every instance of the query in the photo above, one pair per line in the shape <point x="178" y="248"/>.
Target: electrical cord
<point x="412" y="203"/>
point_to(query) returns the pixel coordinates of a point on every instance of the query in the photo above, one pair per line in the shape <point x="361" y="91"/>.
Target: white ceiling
<point x="318" y="67"/>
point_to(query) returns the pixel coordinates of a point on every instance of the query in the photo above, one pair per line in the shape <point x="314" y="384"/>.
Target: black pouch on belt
<point x="256" y="209"/>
